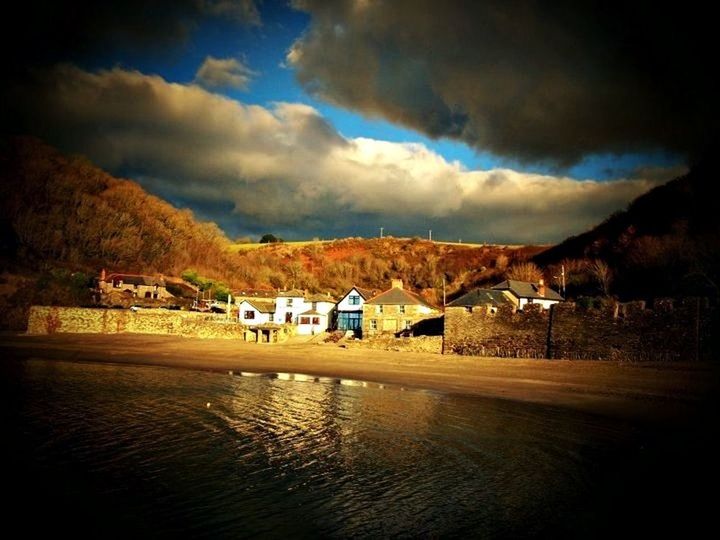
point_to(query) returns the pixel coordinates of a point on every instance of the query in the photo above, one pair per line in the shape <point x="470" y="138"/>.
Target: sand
<point x="648" y="391"/>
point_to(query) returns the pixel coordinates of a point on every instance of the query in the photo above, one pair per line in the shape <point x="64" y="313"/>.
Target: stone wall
<point x="49" y="320"/>
<point x="671" y="330"/>
<point x="500" y="332"/>
<point x="427" y="344"/>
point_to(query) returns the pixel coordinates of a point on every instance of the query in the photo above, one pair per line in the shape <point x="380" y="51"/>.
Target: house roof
<point x="400" y="297"/>
<point x="136" y="279"/>
<point x="261" y="306"/>
<point x="524" y="289"/>
<point x="482" y="297"/>
<point x="365" y="293"/>
<point x="254" y="293"/>
<point x="181" y="287"/>
<point x="294" y="293"/>
<point x="319" y="297"/>
<point x="313" y="312"/>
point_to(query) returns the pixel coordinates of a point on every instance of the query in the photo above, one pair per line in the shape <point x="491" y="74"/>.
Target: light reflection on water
<point x="118" y="450"/>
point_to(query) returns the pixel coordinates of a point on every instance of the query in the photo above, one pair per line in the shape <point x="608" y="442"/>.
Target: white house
<point x="319" y="315"/>
<point x="350" y="309"/>
<point x="524" y="293"/>
<point x="288" y="305"/>
<point x="255" y="312"/>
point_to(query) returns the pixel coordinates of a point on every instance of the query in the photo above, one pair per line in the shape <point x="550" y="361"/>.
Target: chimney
<point x="541" y="287"/>
<point x="397" y="284"/>
<point x="102" y="275"/>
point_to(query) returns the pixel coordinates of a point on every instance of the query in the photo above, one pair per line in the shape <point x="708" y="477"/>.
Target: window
<point x="271" y="317"/>
<point x="373" y="324"/>
<point x="314" y="305"/>
<point x="249" y="315"/>
<point x="289" y="302"/>
<point x="402" y="309"/>
<point x="316" y="320"/>
<point x="408" y="324"/>
<point x="117" y="283"/>
<point x="379" y="309"/>
<point x="354" y="300"/>
<point x="304" y="320"/>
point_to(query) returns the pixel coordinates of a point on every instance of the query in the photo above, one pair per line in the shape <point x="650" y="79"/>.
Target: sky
<point x="498" y="122"/>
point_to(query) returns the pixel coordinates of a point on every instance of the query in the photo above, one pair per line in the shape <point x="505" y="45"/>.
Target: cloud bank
<point x="536" y="81"/>
<point x="285" y="169"/>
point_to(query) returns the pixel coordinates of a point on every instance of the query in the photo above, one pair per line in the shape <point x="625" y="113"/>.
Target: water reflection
<point x="137" y="449"/>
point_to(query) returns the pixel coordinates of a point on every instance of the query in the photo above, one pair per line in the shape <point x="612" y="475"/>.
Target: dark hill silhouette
<point x="667" y="242"/>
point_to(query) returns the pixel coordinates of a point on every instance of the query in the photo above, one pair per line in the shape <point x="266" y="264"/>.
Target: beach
<point x="656" y="391"/>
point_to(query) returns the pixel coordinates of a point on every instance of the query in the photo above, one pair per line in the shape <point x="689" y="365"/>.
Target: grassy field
<point x="235" y="248"/>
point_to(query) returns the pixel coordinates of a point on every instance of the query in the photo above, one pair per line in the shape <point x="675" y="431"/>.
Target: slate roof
<point x="524" y="289"/>
<point x="255" y="293"/>
<point x="314" y="312"/>
<point x="136" y="279"/>
<point x="482" y="297"/>
<point x="294" y="293"/>
<point x="261" y="306"/>
<point x="400" y="297"/>
<point x="319" y="297"/>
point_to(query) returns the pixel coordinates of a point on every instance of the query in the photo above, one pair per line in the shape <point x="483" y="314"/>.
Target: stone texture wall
<point x="503" y="332"/>
<point x="49" y="320"/>
<point x="680" y="330"/>
<point x="428" y="344"/>
<point x="391" y="320"/>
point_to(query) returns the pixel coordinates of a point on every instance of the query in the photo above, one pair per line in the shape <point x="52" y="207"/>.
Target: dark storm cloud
<point x="538" y="81"/>
<point x="42" y="32"/>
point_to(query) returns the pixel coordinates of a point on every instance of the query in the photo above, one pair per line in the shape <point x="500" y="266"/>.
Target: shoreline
<point x="647" y="391"/>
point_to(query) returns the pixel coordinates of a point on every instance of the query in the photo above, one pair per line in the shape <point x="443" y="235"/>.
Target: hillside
<point x="666" y="243"/>
<point x="371" y="263"/>
<point x="63" y="219"/>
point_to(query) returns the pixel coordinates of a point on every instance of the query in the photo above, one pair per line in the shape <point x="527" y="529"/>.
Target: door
<point x="288" y="317"/>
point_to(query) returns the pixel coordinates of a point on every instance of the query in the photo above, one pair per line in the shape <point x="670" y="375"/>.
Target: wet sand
<point x="649" y="391"/>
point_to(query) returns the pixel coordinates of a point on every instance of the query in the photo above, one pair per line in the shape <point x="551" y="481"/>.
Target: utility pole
<point x="381" y="231"/>
<point x="430" y="235"/>
<point x="443" y="291"/>
<point x="562" y="273"/>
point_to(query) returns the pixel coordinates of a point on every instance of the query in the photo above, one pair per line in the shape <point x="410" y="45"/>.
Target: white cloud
<point x="287" y="168"/>
<point x="224" y="73"/>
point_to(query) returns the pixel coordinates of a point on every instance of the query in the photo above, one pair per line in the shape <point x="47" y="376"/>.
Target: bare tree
<point x="525" y="271"/>
<point x="602" y="274"/>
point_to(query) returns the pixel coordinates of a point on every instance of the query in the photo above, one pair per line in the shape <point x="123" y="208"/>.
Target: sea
<point x="117" y="451"/>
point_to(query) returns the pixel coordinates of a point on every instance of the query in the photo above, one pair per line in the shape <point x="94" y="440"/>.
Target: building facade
<point x="396" y="310"/>
<point x="523" y="293"/>
<point x="350" y="310"/>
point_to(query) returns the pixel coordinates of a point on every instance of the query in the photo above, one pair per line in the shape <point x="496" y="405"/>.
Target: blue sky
<point x="361" y="114"/>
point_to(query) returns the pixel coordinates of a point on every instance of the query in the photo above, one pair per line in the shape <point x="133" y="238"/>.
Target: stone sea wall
<point x="50" y="320"/>
<point x="671" y="330"/>
<point x="428" y="344"/>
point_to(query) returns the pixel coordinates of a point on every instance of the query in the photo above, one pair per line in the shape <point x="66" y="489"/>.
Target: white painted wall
<point x="345" y="305"/>
<point x="281" y="308"/>
<point x="260" y="318"/>
<point x="309" y="329"/>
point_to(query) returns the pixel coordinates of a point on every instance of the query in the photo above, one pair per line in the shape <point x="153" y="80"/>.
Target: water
<point x="123" y="451"/>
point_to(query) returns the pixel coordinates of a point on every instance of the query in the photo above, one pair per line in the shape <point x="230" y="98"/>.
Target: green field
<point x="234" y="248"/>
